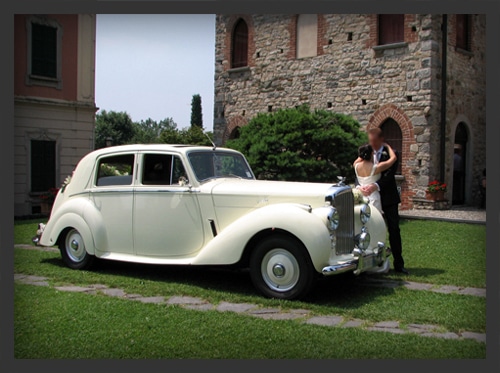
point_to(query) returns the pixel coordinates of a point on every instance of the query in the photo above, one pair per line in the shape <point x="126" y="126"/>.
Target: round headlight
<point x="365" y="214"/>
<point x="333" y="219"/>
<point x="363" y="240"/>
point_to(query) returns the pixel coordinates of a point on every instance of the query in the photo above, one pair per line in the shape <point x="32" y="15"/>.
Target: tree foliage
<point x="300" y="145"/>
<point x="149" y="131"/>
<point x="196" y="115"/>
<point x="117" y="126"/>
<point x="189" y="136"/>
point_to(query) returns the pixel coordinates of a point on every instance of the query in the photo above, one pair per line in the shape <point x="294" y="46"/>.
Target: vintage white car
<point x="192" y="205"/>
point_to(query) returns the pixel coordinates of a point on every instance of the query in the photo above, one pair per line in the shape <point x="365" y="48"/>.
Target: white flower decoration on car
<point x="66" y="182"/>
<point x="358" y="196"/>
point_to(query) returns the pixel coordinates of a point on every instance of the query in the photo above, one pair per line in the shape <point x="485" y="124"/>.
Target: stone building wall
<point x="466" y="80"/>
<point x="351" y="74"/>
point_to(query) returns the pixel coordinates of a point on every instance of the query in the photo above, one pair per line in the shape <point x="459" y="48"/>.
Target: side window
<point x="115" y="170"/>
<point x="156" y="169"/>
<point x="178" y="171"/>
<point x="162" y="169"/>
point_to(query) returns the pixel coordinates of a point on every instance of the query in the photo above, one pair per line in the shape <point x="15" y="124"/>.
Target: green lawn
<point x="343" y="295"/>
<point x="444" y="253"/>
<point x="47" y="321"/>
<point x="51" y="324"/>
<point x="24" y="230"/>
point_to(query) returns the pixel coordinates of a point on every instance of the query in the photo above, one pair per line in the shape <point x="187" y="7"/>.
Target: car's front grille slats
<point x="344" y="203"/>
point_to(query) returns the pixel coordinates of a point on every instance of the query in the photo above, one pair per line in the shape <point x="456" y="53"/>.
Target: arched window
<point x="307" y="35"/>
<point x="394" y="137"/>
<point x="239" y="57"/>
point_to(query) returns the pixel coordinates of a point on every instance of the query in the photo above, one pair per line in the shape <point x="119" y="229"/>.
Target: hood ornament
<point x="341" y="180"/>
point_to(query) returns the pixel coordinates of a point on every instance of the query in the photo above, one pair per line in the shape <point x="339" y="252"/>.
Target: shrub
<point x="299" y="144"/>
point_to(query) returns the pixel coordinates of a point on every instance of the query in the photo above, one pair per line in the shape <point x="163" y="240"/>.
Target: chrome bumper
<point x="36" y="239"/>
<point x="361" y="261"/>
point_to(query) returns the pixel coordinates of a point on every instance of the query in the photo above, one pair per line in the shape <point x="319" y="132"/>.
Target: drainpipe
<point x="442" y="137"/>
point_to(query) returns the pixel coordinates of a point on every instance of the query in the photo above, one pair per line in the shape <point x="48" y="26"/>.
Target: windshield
<point x="213" y="164"/>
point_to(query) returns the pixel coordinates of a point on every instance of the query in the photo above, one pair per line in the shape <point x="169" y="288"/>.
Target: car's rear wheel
<point x="281" y="268"/>
<point x="73" y="250"/>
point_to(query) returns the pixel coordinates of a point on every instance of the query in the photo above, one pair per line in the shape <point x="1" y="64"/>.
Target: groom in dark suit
<point x="389" y="196"/>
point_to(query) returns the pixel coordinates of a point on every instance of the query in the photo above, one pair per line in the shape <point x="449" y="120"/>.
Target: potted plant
<point x="47" y="199"/>
<point x="435" y="190"/>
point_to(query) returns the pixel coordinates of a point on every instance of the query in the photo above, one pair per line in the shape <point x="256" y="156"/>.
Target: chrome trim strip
<point x="128" y="190"/>
<point x="183" y="190"/>
<point x="133" y="189"/>
<point x="87" y="191"/>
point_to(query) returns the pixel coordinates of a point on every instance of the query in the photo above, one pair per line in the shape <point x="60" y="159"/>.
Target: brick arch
<point x="231" y="23"/>
<point x="232" y="124"/>
<point x="377" y="119"/>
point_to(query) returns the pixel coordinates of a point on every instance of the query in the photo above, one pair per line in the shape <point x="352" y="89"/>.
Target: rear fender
<point x="55" y="228"/>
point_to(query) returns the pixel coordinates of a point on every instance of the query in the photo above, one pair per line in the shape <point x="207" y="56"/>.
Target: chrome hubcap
<point x="74" y="246"/>
<point x="280" y="270"/>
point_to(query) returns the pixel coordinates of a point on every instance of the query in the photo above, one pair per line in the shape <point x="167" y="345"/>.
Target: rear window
<point x="115" y="170"/>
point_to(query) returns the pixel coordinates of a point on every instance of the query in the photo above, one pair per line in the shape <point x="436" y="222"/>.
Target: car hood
<point x="258" y="193"/>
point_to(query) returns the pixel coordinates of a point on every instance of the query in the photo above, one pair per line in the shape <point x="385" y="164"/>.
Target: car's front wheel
<point x="281" y="268"/>
<point x="73" y="250"/>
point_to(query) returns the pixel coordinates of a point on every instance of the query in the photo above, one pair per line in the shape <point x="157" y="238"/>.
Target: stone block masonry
<point x="352" y="74"/>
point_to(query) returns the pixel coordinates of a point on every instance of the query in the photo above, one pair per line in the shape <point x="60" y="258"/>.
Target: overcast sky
<point x="151" y="65"/>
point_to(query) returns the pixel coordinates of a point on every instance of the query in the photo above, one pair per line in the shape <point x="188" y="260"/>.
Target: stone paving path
<point x="410" y="285"/>
<point x="199" y="304"/>
<point x="459" y="214"/>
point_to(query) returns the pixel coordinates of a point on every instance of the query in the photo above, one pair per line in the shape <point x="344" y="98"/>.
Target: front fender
<point x="228" y="246"/>
<point x="68" y="216"/>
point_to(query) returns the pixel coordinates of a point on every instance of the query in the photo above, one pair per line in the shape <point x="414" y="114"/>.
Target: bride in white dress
<point x="368" y="170"/>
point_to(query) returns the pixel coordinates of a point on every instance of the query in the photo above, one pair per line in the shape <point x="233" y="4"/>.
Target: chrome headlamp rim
<point x="365" y="213"/>
<point x="333" y="219"/>
<point x="363" y="240"/>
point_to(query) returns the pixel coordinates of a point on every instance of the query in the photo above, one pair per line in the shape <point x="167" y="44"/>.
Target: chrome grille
<point x="344" y="203"/>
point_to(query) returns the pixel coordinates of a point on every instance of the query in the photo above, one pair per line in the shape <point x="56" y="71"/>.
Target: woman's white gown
<point x="367" y="180"/>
